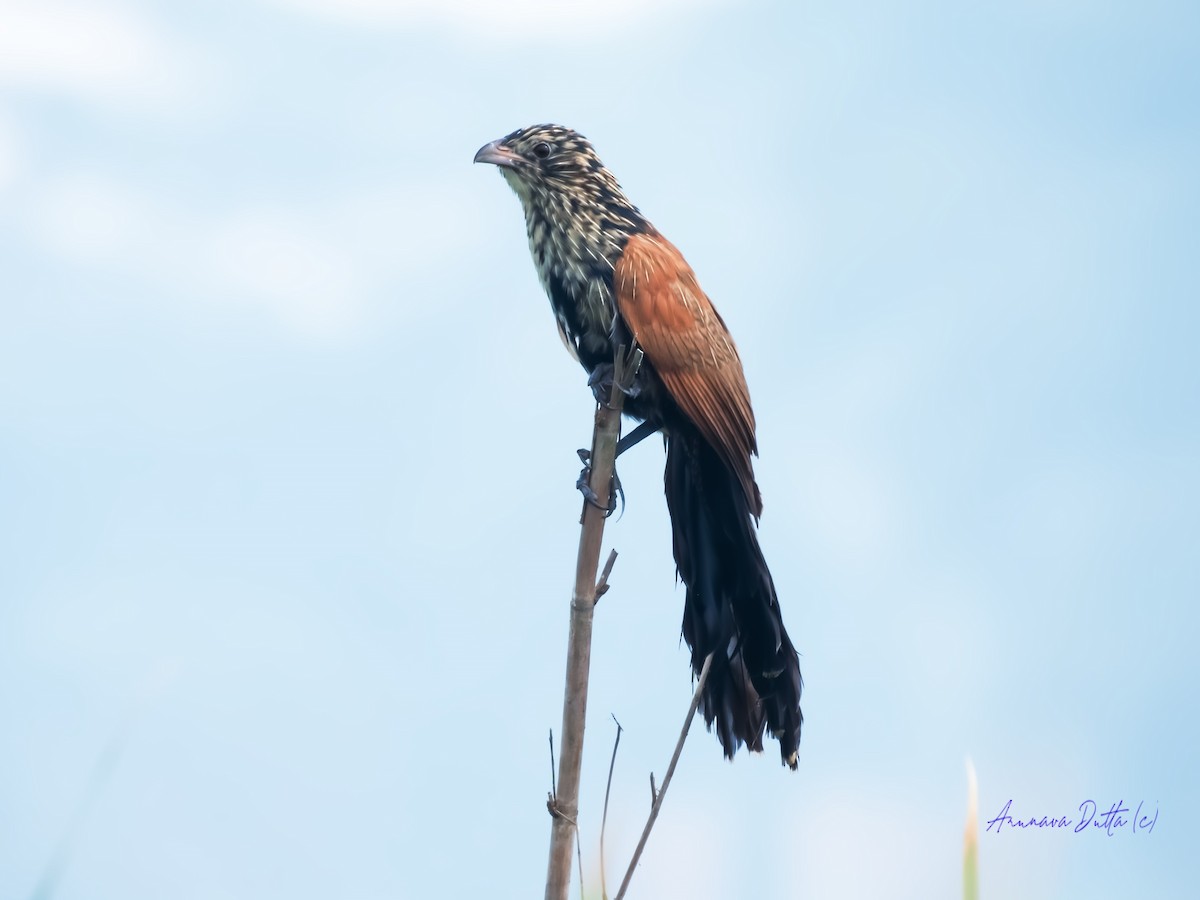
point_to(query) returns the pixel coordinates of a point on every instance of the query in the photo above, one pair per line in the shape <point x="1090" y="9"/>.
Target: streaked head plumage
<point x="555" y="169"/>
<point x="545" y="159"/>
<point x="576" y="213"/>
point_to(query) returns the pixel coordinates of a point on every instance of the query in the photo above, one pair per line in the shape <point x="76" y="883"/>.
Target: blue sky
<point x="287" y="518"/>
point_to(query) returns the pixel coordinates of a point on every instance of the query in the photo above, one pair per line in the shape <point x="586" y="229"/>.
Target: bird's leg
<point x="639" y="434"/>
<point x="635" y="437"/>
<point x="622" y="375"/>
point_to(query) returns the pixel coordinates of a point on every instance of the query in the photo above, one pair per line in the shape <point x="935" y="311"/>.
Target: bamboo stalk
<point x="564" y="806"/>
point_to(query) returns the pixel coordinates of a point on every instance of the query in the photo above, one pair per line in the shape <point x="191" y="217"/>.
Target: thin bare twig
<point x="662" y="793"/>
<point x="602" y="584"/>
<point x="102" y="772"/>
<point x="579" y="859"/>
<point x="565" y="813"/>
<point x="109" y="758"/>
<point x="612" y="764"/>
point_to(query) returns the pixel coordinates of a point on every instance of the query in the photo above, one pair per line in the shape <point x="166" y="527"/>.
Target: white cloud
<point x="88" y="219"/>
<point x="11" y="157"/>
<point x="315" y="269"/>
<point x="517" y="20"/>
<point x="301" y="277"/>
<point x="99" y="51"/>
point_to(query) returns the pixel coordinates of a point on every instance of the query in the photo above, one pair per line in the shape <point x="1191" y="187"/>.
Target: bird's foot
<point x="601" y="382"/>
<point x="584" y="485"/>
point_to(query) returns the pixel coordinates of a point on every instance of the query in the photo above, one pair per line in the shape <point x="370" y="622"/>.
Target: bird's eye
<point x="542" y="150"/>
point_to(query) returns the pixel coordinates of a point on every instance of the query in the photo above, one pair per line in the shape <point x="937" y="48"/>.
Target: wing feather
<point x="686" y="341"/>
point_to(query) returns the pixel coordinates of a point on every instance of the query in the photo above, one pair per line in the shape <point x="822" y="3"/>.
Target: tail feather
<point x="731" y="609"/>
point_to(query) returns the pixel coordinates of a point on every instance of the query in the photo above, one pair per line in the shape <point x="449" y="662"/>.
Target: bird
<point x="614" y="280"/>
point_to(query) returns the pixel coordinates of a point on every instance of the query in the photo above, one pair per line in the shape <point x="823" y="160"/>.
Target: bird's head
<point x="557" y="174"/>
<point x="544" y="160"/>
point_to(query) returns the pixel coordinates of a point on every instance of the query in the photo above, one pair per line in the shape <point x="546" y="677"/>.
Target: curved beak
<point x="497" y="154"/>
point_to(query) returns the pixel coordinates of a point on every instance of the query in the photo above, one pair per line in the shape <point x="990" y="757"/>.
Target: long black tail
<point x="731" y="608"/>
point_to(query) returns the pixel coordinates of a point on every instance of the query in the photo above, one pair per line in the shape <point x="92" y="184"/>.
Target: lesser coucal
<point x="613" y="279"/>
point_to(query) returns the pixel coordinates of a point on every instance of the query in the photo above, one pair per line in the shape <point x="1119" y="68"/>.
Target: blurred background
<point x="287" y="508"/>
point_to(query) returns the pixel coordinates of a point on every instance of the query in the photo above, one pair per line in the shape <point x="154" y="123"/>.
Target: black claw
<point x="602" y="372"/>
<point x="601" y="383"/>
<point x="584" y="486"/>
